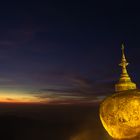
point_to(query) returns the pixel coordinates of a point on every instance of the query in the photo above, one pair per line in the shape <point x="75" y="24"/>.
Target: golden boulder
<point x="120" y="114"/>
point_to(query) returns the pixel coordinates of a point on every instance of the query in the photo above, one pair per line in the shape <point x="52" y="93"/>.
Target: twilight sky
<point x="66" y="51"/>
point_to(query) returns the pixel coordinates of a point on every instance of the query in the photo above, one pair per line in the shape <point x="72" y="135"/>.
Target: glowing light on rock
<point x="120" y="113"/>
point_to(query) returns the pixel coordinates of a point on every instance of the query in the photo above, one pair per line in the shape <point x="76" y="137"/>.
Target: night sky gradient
<point x="66" y="52"/>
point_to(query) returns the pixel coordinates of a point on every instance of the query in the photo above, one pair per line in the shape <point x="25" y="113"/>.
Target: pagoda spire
<point x="123" y="64"/>
<point x="125" y="82"/>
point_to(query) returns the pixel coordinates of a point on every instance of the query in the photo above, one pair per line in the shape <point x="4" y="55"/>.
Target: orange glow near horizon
<point x="19" y="97"/>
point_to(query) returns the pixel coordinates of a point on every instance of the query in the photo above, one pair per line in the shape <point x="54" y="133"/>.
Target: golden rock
<point x="120" y="112"/>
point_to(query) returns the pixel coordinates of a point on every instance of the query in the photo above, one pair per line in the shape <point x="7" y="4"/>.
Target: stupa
<point x="120" y="112"/>
<point x="125" y="82"/>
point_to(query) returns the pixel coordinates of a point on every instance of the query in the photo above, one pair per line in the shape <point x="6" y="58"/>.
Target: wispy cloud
<point x="82" y="90"/>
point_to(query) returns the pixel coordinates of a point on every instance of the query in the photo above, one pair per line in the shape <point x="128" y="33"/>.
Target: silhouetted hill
<point x="35" y="122"/>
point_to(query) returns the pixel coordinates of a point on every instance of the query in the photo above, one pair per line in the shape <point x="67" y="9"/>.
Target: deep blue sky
<point x="66" y="50"/>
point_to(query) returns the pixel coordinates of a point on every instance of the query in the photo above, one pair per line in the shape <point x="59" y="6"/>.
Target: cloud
<point x="7" y="82"/>
<point x="81" y="81"/>
<point x="80" y="90"/>
<point x="10" y="99"/>
<point x="69" y="97"/>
